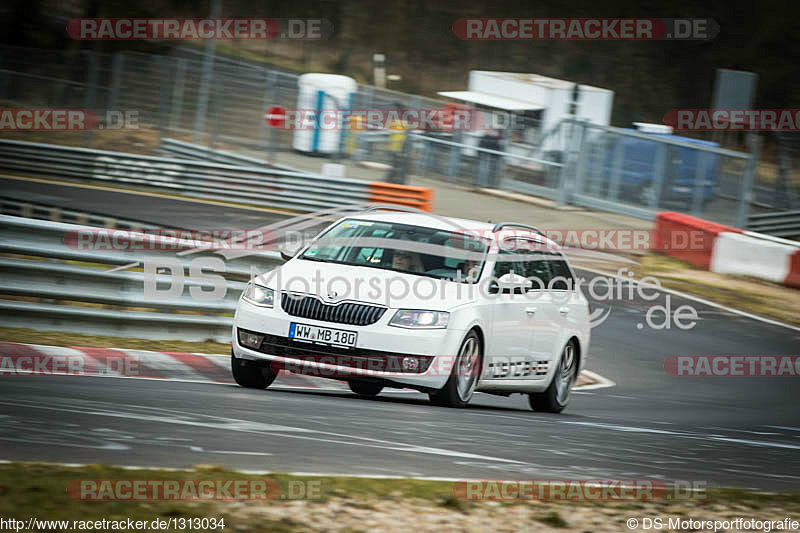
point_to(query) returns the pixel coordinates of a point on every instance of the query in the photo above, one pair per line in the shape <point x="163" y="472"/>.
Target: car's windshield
<point x="402" y="248"/>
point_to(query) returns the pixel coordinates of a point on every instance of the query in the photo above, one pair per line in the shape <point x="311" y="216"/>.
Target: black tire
<point x="552" y="400"/>
<point x="365" y="388"/>
<point x="449" y="395"/>
<point x="250" y="374"/>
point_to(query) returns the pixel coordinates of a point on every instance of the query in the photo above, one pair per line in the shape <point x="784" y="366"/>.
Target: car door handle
<point x="564" y="311"/>
<point x="530" y="311"/>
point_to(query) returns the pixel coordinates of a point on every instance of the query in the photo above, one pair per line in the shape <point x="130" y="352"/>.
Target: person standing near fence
<point x="488" y="163"/>
<point x="397" y="144"/>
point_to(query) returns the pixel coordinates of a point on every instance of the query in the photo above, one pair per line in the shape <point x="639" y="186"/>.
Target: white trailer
<point x="528" y="107"/>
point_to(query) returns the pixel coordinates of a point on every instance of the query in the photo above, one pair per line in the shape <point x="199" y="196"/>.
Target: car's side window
<point x="560" y="270"/>
<point x="538" y="270"/>
<point x="506" y="262"/>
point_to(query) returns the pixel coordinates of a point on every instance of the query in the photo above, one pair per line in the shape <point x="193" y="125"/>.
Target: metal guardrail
<point x="249" y="185"/>
<point x="295" y="191"/>
<point x="197" y="152"/>
<point x="781" y="224"/>
<point x="47" y="282"/>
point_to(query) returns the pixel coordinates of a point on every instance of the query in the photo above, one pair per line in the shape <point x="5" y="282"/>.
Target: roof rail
<point x="500" y="225"/>
<point x="393" y="207"/>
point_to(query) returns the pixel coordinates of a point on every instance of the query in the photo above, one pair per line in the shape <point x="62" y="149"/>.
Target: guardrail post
<point x="748" y="179"/>
<point x="177" y="96"/>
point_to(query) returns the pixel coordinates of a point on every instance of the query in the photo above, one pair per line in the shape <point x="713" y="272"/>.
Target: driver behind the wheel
<point x="407" y="261"/>
<point x="470" y="269"/>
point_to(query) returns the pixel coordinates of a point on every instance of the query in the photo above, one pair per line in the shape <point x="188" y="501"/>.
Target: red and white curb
<point x="29" y="359"/>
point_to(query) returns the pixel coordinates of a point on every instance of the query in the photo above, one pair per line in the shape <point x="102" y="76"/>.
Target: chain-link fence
<point x="600" y="167"/>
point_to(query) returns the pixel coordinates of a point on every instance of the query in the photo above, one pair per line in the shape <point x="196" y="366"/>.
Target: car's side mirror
<point x="290" y="249"/>
<point x="514" y="283"/>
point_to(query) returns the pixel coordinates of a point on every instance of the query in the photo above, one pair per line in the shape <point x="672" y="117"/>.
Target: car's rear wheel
<point x="250" y="374"/>
<point x="556" y="397"/>
<point x="460" y="387"/>
<point x="365" y="388"/>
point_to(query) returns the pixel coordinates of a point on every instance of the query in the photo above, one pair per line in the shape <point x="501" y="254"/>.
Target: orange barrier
<point x="390" y="193"/>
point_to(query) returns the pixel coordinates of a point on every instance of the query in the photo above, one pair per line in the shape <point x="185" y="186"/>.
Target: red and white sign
<point x="276" y="116"/>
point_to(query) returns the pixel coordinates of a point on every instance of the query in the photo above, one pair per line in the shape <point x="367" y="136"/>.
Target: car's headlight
<point x="413" y="318"/>
<point x="258" y="295"/>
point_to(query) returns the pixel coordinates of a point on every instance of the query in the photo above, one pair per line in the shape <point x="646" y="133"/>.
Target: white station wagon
<point x="442" y="305"/>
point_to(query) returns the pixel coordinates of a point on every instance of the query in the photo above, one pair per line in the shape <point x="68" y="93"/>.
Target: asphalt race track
<point x="167" y="212"/>
<point x="742" y="432"/>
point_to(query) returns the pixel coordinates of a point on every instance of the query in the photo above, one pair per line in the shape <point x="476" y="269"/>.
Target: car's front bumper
<point x="374" y="341"/>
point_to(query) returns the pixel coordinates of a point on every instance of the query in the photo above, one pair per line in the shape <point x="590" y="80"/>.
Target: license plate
<point x="316" y="334"/>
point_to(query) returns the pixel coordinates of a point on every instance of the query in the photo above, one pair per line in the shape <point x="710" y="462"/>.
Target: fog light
<point x="251" y="340"/>
<point x="410" y="364"/>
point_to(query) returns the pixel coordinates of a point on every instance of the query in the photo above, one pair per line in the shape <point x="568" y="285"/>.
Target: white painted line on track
<point x="695" y="299"/>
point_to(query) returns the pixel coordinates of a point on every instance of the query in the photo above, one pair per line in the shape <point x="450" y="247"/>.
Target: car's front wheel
<point x="250" y="374"/>
<point x="365" y="388"/>
<point x="459" y="388"/>
<point x="556" y="397"/>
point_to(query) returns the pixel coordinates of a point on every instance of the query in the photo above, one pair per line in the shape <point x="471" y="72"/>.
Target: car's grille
<point x="374" y="360"/>
<point x="351" y="313"/>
